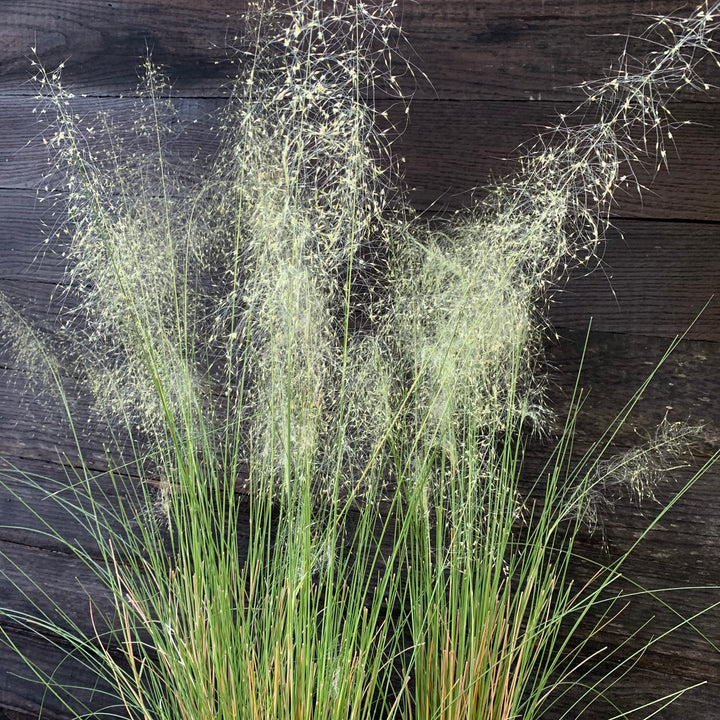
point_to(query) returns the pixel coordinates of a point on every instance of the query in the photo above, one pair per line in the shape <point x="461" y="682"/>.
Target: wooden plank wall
<point x="499" y="69"/>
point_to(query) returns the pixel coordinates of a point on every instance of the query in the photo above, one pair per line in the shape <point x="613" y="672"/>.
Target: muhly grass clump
<point x="277" y="321"/>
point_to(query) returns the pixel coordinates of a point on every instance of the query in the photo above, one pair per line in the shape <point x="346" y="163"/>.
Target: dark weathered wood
<point x="527" y="49"/>
<point x="103" y="43"/>
<point x="452" y="147"/>
<point x="497" y="71"/>
<point x="615" y="365"/>
<point x="646" y="687"/>
<point x="681" y="550"/>
<point x="670" y="577"/>
<point x="701" y="702"/>
<point x="22" y="235"/>
<point x="57" y="580"/>
<point x="654" y="278"/>
<point x="20" y="696"/>
<point x="47" y="504"/>
<point x="34" y="424"/>
<point x="24" y="159"/>
<point x="478" y="142"/>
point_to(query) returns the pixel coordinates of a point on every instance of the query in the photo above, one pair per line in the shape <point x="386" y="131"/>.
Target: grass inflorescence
<point x="321" y="400"/>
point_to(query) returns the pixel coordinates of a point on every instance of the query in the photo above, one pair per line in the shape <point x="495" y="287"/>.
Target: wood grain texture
<point x="497" y="72"/>
<point x="22" y="235"/>
<point x="20" y="698"/>
<point x="490" y="49"/>
<point x="450" y="149"/>
<point x="653" y="278"/>
<point x="104" y="42"/>
<point x="25" y="161"/>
